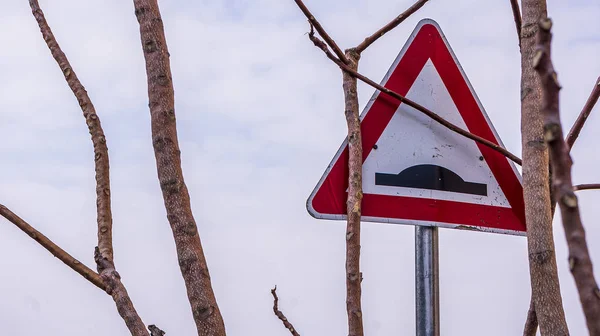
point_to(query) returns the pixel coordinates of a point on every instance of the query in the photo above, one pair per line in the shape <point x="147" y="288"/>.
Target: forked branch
<point x="585" y="113"/>
<point x="104" y="251"/>
<point x="56" y="251"/>
<point x="286" y="323"/>
<point x="388" y="27"/>
<point x="318" y="43"/>
<point x="580" y="262"/>
<point x="531" y="323"/>
<point x="315" y="23"/>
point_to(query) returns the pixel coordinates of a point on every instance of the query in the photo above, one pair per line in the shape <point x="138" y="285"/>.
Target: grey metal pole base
<point x="427" y="281"/>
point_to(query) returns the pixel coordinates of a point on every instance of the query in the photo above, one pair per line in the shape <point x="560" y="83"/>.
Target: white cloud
<point x="260" y="114"/>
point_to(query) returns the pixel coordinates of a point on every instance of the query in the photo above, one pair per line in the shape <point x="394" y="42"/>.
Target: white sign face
<point x="412" y="139"/>
<point x="416" y="171"/>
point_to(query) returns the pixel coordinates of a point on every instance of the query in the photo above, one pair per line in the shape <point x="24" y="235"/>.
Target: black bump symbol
<point x="431" y="177"/>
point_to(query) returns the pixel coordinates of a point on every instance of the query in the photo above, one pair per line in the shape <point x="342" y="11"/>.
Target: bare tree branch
<point x="517" y="16"/>
<point x="286" y="323"/>
<point x="388" y="27"/>
<point x="190" y="254"/>
<point x="96" y="132"/>
<point x="104" y="251"/>
<point x="319" y="44"/>
<point x="591" y="186"/>
<point x="116" y="289"/>
<point x="585" y="113"/>
<point x="580" y="262"/>
<point x="354" y="201"/>
<point x="313" y="21"/>
<point x="543" y="270"/>
<point x="56" y="251"/>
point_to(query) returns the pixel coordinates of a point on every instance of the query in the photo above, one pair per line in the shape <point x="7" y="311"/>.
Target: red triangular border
<point x="328" y="201"/>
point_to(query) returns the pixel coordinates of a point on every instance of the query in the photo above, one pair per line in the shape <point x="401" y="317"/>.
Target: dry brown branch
<point x="95" y="128"/>
<point x="580" y="262"/>
<point x="591" y="186"/>
<point x="585" y="113"/>
<point x="56" y="251"/>
<point x="286" y="323"/>
<point x="104" y="251"/>
<point x="531" y="323"/>
<point x="190" y="254"/>
<point x="545" y="284"/>
<point x="517" y="16"/>
<point x="314" y="23"/>
<point x="116" y="289"/>
<point x="388" y="27"/>
<point x="354" y="201"/>
<point x="319" y="44"/>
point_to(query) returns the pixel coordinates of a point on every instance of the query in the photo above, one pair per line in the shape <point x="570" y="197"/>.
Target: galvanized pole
<point x="427" y="284"/>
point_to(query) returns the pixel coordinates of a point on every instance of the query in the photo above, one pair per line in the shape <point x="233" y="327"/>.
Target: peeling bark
<point x="580" y="262"/>
<point x="545" y="284"/>
<point x="190" y="254"/>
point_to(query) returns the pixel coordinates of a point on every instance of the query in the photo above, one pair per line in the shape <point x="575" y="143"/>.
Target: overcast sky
<point x="260" y="115"/>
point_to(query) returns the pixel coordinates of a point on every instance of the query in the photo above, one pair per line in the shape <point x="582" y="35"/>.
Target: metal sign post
<point x="427" y="281"/>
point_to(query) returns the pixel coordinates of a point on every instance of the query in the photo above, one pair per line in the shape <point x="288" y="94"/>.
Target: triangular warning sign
<point x="416" y="171"/>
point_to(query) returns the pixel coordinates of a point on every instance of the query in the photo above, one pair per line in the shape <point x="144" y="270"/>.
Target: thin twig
<point x="104" y="251"/>
<point x="161" y="95"/>
<point x="318" y="43"/>
<point x="585" y="113"/>
<point x="591" y="186"/>
<point x="56" y="251"/>
<point x="580" y="262"/>
<point x="286" y="323"/>
<point x="313" y="21"/>
<point x="388" y="27"/>
<point x="517" y="16"/>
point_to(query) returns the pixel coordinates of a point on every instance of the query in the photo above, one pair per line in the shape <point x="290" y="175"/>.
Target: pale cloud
<point x="260" y="115"/>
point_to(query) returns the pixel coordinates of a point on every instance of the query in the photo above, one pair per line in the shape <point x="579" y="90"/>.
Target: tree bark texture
<point x="545" y="284"/>
<point x="190" y="254"/>
<point x="116" y="289"/>
<point x="354" y="202"/>
<point x="531" y="323"/>
<point x="580" y="262"/>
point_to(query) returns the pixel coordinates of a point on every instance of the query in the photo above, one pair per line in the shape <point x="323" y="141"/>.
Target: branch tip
<point x="280" y="315"/>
